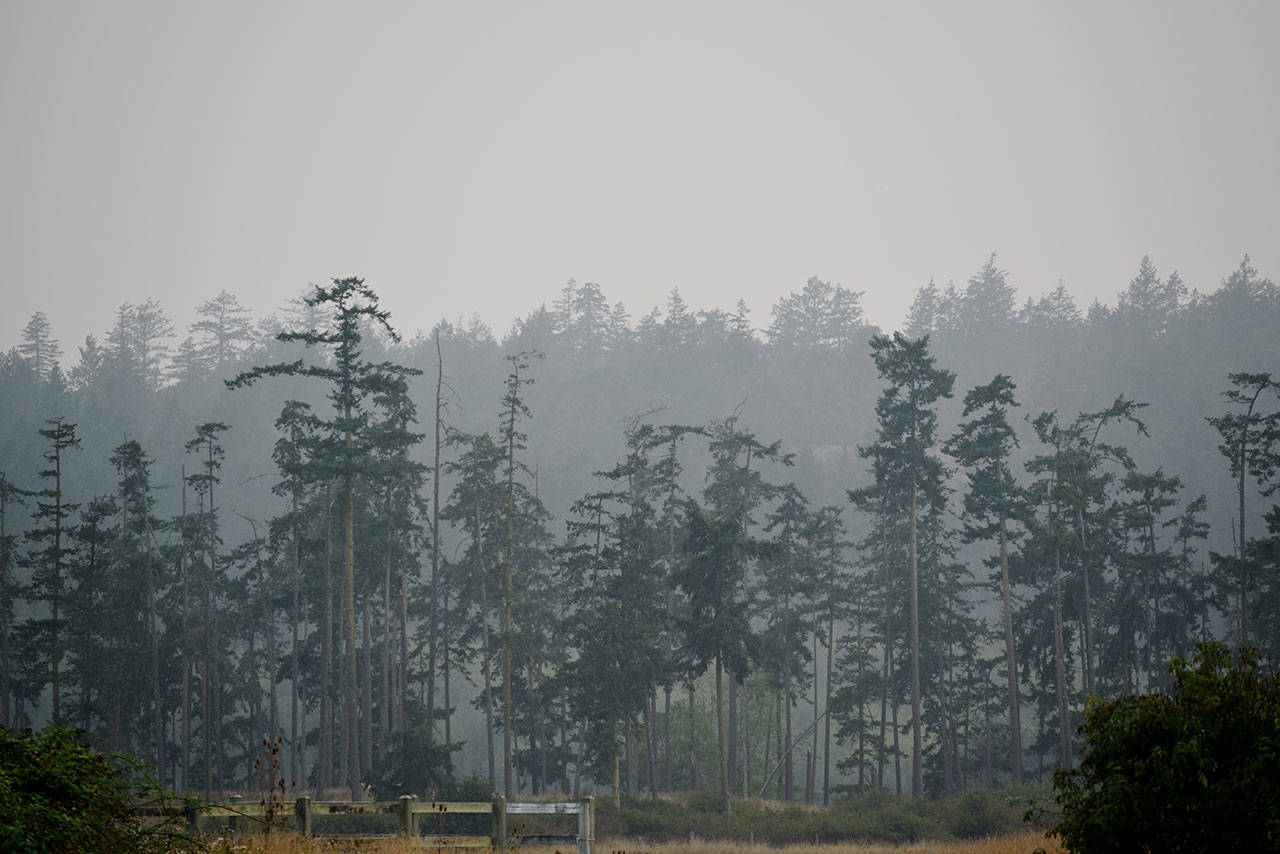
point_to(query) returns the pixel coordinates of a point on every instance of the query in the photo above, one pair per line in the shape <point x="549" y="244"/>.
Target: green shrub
<point x="876" y="816"/>
<point x="1195" y="770"/>
<point x="57" y="795"/>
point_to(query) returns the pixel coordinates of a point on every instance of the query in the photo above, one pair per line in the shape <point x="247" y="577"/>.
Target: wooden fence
<point x="407" y="809"/>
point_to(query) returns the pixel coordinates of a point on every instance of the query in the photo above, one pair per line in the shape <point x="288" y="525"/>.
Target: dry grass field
<point x="289" y="843"/>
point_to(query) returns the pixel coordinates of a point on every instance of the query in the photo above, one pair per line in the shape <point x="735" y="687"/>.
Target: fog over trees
<point x="782" y="553"/>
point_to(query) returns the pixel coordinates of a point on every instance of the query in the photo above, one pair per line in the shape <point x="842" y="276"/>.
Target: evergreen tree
<point x="903" y="464"/>
<point x="735" y="490"/>
<point x="206" y="444"/>
<point x="1248" y="439"/>
<point x="475" y="504"/>
<point x="512" y="439"/>
<point x="50" y="553"/>
<point x="984" y="445"/>
<point x="38" y="346"/>
<point x="139" y="570"/>
<point x="352" y="380"/>
<point x="788" y="576"/>
<point x="819" y="315"/>
<point x="616" y="624"/>
<point x="717" y="626"/>
<point x="10" y="591"/>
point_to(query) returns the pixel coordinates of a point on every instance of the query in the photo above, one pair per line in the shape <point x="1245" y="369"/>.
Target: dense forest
<point x="791" y="556"/>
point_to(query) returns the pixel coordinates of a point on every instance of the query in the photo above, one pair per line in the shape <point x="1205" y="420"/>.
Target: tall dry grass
<point x="292" y="843"/>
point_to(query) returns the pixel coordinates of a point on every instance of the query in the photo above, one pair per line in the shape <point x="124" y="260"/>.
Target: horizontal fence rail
<point x="407" y="809"/>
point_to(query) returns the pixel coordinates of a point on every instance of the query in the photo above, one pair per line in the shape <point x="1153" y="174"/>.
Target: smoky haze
<point x="470" y="158"/>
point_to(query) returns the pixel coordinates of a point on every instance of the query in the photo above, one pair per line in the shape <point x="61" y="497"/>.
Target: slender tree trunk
<point x="693" y="743"/>
<point x="1242" y="542"/>
<point x="813" y="768"/>
<point x="1148" y="590"/>
<point x="731" y="749"/>
<point x="778" y="700"/>
<point x="297" y="768"/>
<point x="487" y="654"/>
<point x="987" y="775"/>
<point x="720" y="735"/>
<point x="324" y="771"/>
<point x="536" y="744"/>
<point x="385" y="700"/>
<point x="564" y="741"/>
<point x="1088" y="606"/>
<point x="666" y="739"/>
<point x="448" y="700"/>
<point x="273" y="720"/>
<point x="402" y="673"/>
<point x="616" y="789"/>
<point x="887" y="681"/>
<point x="897" y="747"/>
<point x="507" y="758"/>
<point x="826" y="723"/>
<point x="650" y="713"/>
<point x="220" y="751"/>
<point x="788" y="771"/>
<point x="303" y="777"/>
<point x="206" y="716"/>
<point x="366" y="687"/>
<point x="862" y="718"/>
<point x="55" y="653"/>
<point x="435" y="550"/>
<point x="157" y="718"/>
<point x="1060" y="666"/>
<point x="577" y="765"/>
<point x="946" y="747"/>
<point x="185" y="643"/>
<point x="507" y="592"/>
<point x="671" y="640"/>
<point x="633" y="784"/>
<point x="488" y="684"/>
<point x="917" y="745"/>
<point x="350" y="700"/>
<point x="1011" y="660"/>
<point x="746" y="741"/>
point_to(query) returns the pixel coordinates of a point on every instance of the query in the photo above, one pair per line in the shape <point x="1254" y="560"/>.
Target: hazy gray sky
<point x="471" y="157"/>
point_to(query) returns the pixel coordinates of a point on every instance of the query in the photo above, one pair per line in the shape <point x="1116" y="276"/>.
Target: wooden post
<point x="233" y="823"/>
<point x="408" y="826"/>
<point x="302" y="807"/>
<point x="499" y="823"/>
<point x="587" y="826"/>
<point x="193" y="819"/>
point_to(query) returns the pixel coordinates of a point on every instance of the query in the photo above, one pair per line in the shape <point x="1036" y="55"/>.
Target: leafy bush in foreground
<point x="1196" y="770"/>
<point x="57" y="795"/>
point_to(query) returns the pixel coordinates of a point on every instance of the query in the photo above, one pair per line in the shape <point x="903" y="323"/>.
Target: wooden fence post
<point x="302" y="809"/>
<point x="587" y="825"/>
<point x="499" y="823"/>
<point x="193" y="819"/>
<point x="233" y="823"/>
<point x="408" y="825"/>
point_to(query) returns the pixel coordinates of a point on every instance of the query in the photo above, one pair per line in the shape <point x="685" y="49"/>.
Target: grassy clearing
<point x="1025" y="842"/>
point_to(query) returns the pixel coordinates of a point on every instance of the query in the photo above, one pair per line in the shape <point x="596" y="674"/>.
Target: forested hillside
<point x="787" y="553"/>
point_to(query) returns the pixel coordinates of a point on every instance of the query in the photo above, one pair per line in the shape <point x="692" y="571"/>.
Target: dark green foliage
<point x="876" y="816"/>
<point x="1197" y="769"/>
<point x="56" y="795"/>
<point x="1110" y="558"/>
<point x="414" y="765"/>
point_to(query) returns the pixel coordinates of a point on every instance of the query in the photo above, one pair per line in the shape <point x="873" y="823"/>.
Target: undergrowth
<point x="870" y="817"/>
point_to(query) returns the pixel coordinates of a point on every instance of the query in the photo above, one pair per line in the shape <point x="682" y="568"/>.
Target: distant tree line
<point x="587" y="553"/>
